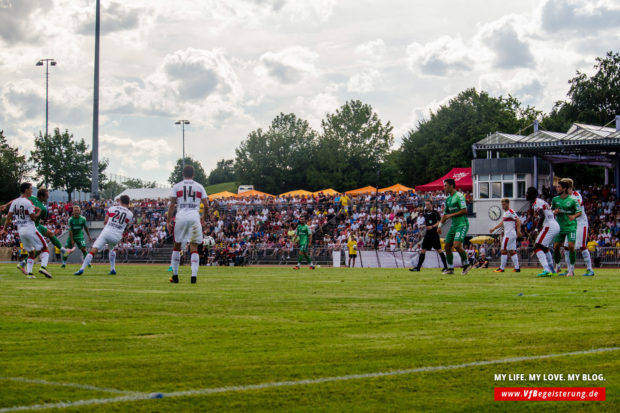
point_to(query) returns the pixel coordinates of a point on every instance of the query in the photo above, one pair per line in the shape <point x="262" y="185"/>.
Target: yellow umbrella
<point x="361" y="191"/>
<point x="298" y="192"/>
<point x="396" y="188"/>
<point x="482" y="239"/>
<point x="224" y="194"/>
<point x="327" y="191"/>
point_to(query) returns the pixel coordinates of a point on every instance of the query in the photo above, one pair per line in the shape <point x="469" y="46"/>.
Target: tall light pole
<point x="94" y="189"/>
<point x="48" y="62"/>
<point x="183" y="122"/>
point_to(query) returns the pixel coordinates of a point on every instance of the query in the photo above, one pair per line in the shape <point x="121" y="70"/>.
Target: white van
<point x="243" y="188"/>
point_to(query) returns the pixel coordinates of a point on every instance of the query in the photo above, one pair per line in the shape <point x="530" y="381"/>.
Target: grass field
<point x="135" y="334"/>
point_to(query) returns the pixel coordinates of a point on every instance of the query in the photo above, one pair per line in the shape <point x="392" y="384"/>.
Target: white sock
<point x="515" y="260"/>
<point x="176" y="260"/>
<point x="567" y="258"/>
<point x="586" y="258"/>
<point x="44" y="257"/>
<point x="87" y="260"/>
<point x="504" y="261"/>
<point x="542" y="257"/>
<point x="29" y="265"/>
<point x="571" y="268"/>
<point x="551" y="265"/>
<point x="112" y="257"/>
<point x="195" y="260"/>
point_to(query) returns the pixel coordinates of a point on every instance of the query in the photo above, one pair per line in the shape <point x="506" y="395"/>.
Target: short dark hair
<point x="42" y="192"/>
<point x="125" y="199"/>
<point x="531" y="194"/>
<point x="188" y="171"/>
<point x="565" y="184"/>
<point x="450" y="181"/>
<point x="24" y="187"/>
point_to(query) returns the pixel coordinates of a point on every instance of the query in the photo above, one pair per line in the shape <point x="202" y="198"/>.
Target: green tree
<point x="111" y="189"/>
<point x="177" y="173"/>
<point x="444" y="141"/>
<point x="223" y="172"/>
<point x="139" y="183"/>
<point x="277" y="160"/>
<point x="13" y="169"/>
<point x="352" y="148"/>
<point x="63" y="163"/>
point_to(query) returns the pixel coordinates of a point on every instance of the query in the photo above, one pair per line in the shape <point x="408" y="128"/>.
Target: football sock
<point x="557" y="257"/>
<point x="450" y="259"/>
<point x="195" y="260"/>
<point x="515" y="260"/>
<point x="421" y="260"/>
<point x="84" y="254"/>
<point x="586" y="257"/>
<point x="112" y="257"/>
<point x="176" y="260"/>
<point x="464" y="260"/>
<point x="87" y="260"/>
<point x="504" y="261"/>
<point x="56" y="242"/>
<point x="45" y="256"/>
<point x="542" y="257"/>
<point x="29" y="265"/>
<point x="567" y="258"/>
<point x="550" y="261"/>
<point x="309" y="260"/>
<point x="298" y="260"/>
<point x="443" y="259"/>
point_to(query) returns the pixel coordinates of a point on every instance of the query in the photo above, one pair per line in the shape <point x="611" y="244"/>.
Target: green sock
<point x="450" y="259"/>
<point x="84" y="254"/>
<point x="298" y="259"/>
<point x="464" y="260"/>
<point x="573" y="257"/>
<point x="56" y="242"/>
<point x="308" y="260"/>
<point x="557" y="257"/>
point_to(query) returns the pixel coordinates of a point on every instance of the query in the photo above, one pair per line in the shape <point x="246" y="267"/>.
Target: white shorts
<point x="582" y="237"/>
<point x="188" y="231"/>
<point x="32" y="240"/>
<point x="107" y="238"/>
<point x="509" y="242"/>
<point x="547" y="234"/>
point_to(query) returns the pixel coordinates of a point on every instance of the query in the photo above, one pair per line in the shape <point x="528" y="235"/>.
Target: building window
<point x="520" y="189"/>
<point x="508" y="190"/>
<point x="496" y="190"/>
<point x="483" y="190"/>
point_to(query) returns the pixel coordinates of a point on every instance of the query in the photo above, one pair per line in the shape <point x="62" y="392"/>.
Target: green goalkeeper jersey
<point x="36" y="202"/>
<point x="567" y="206"/>
<point x="455" y="203"/>
<point x="303" y="233"/>
<point x="77" y="225"/>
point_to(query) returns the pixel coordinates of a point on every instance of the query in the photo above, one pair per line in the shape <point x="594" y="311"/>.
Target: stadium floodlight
<point x="48" y="62"/>
<point x="182" y="122"/>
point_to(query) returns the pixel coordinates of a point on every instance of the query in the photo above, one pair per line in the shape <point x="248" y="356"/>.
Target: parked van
<point x="243" y="188"/>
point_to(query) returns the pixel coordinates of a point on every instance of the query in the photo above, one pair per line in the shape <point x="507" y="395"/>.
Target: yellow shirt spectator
<point x="352" y="244"/>
<point x="592" y="246"/>
<point x="344" y="200"/>
<point x="398" y="226"/>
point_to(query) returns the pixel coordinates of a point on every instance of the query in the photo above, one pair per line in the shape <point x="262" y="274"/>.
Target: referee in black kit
<point x="431" y="238"/>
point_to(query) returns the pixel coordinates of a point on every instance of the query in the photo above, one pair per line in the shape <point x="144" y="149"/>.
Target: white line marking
<point x="74" y="385"/>
<point x="145" y="396"/>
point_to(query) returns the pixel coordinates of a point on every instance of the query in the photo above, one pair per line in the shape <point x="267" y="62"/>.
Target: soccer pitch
<point x="275" y="339"/>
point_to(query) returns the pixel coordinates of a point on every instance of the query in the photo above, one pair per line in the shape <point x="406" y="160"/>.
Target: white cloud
<point x="364" y="82"/>
<point x="441" y="57"/>
<point x="287" y="66"/>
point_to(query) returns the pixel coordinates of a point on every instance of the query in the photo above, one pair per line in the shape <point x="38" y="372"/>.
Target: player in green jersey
<point x="566" y="210"/>
<point x="456" y="210"/>
<point x="40" y="201"/>
<point x="303" y="234"/>
<point x="77" y="226"/>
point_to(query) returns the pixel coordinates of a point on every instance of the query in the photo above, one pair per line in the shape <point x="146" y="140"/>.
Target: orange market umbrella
<point x="224" y="194"/>
<point x="298" y="192"/>
<point x="396" y="188"/>
<point x="327" y="191"/>
<point x="360" y="191"/>
<point x="254" y="192"/>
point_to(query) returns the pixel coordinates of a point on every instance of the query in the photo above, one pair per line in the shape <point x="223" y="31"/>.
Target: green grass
<point x="238" y="326"/>
<point x="224" y="186"/>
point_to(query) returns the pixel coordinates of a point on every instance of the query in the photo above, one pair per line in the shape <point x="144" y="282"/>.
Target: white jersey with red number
<point x="583" y="218"/>
<point x="510" y="223"/>
<point x="538" y="205"/>
<point x="119" y="219"/>
<point x="188" y="194"/>
<point x="21" y="209"/>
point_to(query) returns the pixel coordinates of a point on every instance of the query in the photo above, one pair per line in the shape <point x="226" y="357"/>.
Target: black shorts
<point x="431" y="241"/>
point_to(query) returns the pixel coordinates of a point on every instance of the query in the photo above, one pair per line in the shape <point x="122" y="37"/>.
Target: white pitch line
<point x="74" y="385"/>
<point x="146" y="396"/>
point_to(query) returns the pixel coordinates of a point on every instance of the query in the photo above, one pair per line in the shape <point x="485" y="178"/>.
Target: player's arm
<point x="36" y="214"/>
<point x="87" y="232"/>
<point x="173" y="204"/>
<point x="541" y="220"/>
<point x="578" y="214"/>
<point x="7" y="205"/>
<point x="518" y="224"/>
<point x="7" y="222"/>
<point x="496" y="227"/>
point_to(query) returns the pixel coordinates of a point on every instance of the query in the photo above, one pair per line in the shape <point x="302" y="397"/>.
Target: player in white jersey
<point x="512" y="230"/>
<point x="547" y="229"/>
<point x="582" y="232"/>
<point x="117" y="220"/>
<point x="25" y="214"/>
<point x="186" y="196"/>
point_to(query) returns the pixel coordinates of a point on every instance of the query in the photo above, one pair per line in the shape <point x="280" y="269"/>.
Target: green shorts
<point x="456" y="233"/>
<point x="43" y="230"/>
<point x="80" y="242"/>
<point x="303" y="248"/>
<point x="570" y="235"/>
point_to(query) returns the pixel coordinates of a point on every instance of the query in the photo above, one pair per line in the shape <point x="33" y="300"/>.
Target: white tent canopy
<point x="145" y="193"/>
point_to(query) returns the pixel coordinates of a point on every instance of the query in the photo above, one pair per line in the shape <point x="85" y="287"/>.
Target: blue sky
<point x="231" y="66"/>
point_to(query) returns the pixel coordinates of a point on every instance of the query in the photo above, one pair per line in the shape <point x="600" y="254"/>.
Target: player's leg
<point x="194" y="261"/>
<point x="449" y="256"/>
<point x="68" y="249"/>
<point x="180" y="233"/>
<point x="504" y="255"/>
<point x="458" y="246"/>
<point x="30" y="263"/>
<point x="541" y="249"/>
<point x="308" y="257"/>
<point x="580" y="244"/>
<point x="55" y="241"/>
<point x="421" y="258"/>
<point x="112" y="259"/>
<point x="300" y="256"/>
<point x="572" y="253"/>
<point x="99" y="244"/>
